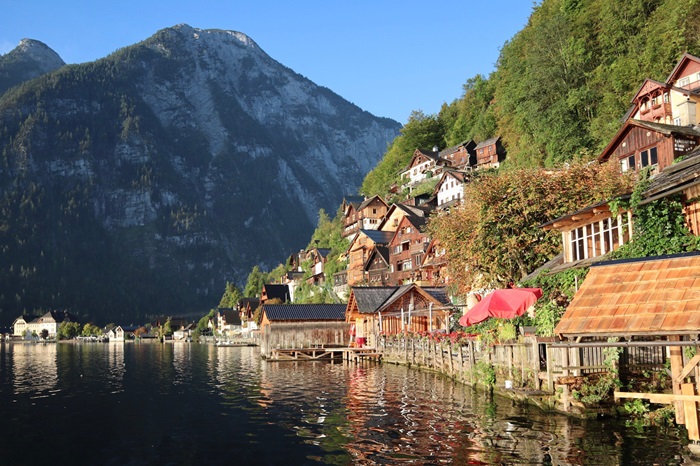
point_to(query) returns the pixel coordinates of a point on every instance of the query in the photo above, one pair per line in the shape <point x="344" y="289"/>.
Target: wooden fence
<point x="531" y="362"/>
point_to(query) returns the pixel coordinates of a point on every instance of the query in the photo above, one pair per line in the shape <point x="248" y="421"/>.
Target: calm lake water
<point x="153" y="404"/>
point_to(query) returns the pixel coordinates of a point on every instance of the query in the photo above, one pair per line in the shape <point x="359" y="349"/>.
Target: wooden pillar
<point x="690" y="410"/>
<point x="550" y="364"/>
<point x="676" y="369"/>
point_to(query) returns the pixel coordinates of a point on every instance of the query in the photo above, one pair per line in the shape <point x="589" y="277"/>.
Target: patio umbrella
<point x="506" y="304"/>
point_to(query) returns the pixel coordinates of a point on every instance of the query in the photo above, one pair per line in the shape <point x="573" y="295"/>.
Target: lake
<point x="188" y="403"/>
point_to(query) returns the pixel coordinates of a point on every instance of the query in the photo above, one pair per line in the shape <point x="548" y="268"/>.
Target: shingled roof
<point x="680" y="175"/>
<point x="304" y="312"/>
<point x="370" y="299"/>
<point x="643" y="297"/>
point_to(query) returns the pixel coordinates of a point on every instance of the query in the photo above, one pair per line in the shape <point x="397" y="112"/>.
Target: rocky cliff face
<point x="138" y="184"/>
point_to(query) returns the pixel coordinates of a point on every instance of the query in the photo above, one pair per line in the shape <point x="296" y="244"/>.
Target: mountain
<point x="140" y="183"/>
<point x="27" y="61"/>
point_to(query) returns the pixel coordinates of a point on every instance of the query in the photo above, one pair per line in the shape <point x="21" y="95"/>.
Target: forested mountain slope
<point x="561" y="85"/>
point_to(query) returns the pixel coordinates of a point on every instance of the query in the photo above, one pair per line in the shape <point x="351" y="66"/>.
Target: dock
<point x="320" y="353"/>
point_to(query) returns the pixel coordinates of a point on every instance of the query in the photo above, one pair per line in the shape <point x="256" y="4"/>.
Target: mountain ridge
<point x="184" y="160"/>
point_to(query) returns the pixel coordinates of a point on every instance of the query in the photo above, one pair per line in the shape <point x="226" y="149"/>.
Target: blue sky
<point x="388" y="57"/>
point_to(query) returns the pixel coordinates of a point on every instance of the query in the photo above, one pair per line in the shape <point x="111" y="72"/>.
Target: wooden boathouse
<point x="646" y="303"/>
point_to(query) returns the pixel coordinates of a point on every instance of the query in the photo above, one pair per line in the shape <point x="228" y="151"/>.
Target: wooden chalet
<point x="645" y="303"/>
<point x="389" y="310"/>
<point x="433" y="270"/>
<point x="397" y="211"/>
<point x="406" y="249"/>
<point x="424" y="164"/>
<point x="460" y="157"/>
<point x="275" y="291"/>
<point x="377" y="267"/>
<point x="640" y="144"/>
<point x="317" y="260"/>
<point x="449" y="191"/>
<point x="359" y="251"/>
<point x="364" y="216"/>
<point x="490" y="153"/>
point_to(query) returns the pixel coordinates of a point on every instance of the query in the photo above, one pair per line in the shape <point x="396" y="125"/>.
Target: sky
<point x="388" y="57"/>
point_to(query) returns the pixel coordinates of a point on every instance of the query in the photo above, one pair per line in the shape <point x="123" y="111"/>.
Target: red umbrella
<point x="506" y="304"/>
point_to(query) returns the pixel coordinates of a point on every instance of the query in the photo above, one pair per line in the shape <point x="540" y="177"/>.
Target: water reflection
<point x="225" y="405"/>
<point x="34" y="369"/>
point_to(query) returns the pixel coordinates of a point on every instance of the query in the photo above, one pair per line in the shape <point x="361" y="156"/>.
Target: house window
<point x="683" y="82"/>
<point x="666" y="97"/>
<point x="654" y="101"/>
<point x="599" y="238"/>
<point x="649" y="157"/>
<point x="628" y="163"/>
<point x="677" y="121"/>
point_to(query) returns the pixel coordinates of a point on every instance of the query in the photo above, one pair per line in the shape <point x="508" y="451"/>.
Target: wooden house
<point x="246" y="308"/>
<point x="490" y="153"/>
<point x="449" y="191"/>
<point x="397" y="211"/>
<point x="433" y="271"/>
<point x="460" y="157"/>
<point x="316" y="257"/>
<point x="364" y="216"/>
<point x="424" y="164"/>
<point x="359" y="251"/>
<point x="377" y="267"/>
<point x="303" y="326"/>
<point x="651" y="303"/>
<point x="389" y="310"/>
<point x="640" y="144"/>
<point x="406" y="249"/>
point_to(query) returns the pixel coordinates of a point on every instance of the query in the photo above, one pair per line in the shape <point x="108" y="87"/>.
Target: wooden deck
<point x="315" y="354"/>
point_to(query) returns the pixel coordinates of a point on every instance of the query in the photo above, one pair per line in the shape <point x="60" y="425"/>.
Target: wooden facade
<point x="461" y="156"/>
<point x="433" y="270"/>
<point x="365" y="216"/>
<point x="377" y="267"/>
<point x="359" y="251"/>
<point x="406" y="250"/>
<point x="639" y="144"/>
<point x="490" y="153"/>
<point x="390" y="310"/>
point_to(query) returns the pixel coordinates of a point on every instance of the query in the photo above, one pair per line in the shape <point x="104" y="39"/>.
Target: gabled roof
<point x="646" y="87"/>
<point x="456" y="174"/>
<point x="371" y="299"/>
<point x="304" y="312"/>
<point x="679" y="66"/>
<point x="276" y="291"/>
<point x="232" y="317"/>
<point x="654" y="296"/>
<point x="244" y="302"/>
<point x="378" y="251"/>
<point x="451" y="150"/>
<point x="666" y="130"/>
<point x="418" y="211"/>
<point x="417" y="153"/>
<point x="379" y="237"/>
<point x="673" y="178"/>
<point x="488" y="142"/>
<point x="370" y="200"/>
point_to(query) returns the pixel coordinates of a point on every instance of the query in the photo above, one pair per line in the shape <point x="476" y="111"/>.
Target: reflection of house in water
<point x="34" y="367"/>
<point x="116" y="364"/>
